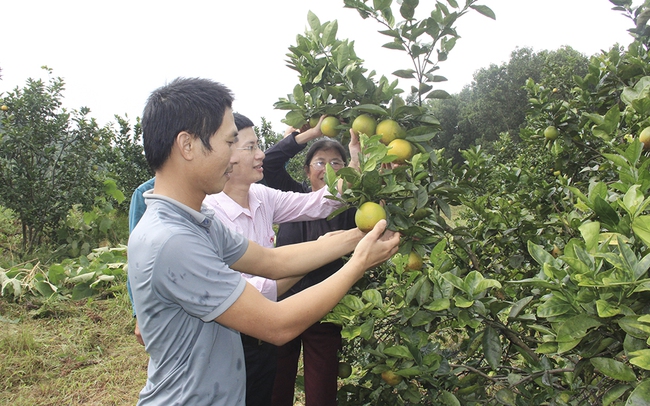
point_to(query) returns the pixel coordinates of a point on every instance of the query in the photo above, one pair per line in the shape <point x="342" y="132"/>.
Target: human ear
<point x="185" y="144"/>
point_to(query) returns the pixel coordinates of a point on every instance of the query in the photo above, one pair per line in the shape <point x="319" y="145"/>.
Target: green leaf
<point x="553" y="307"/>
<point x="576" y="327"/>
<point x="381" y="4"/>
<point x="398" y="351"/>
<point x="394" y="45"/>
<point x="448" y="399"/>
<point x="463" y="302"/>
<point x="352" y="302"/>
<point x="641" y="228"/>
<point x="506" y="397"/>
<point x="590" y="233"/>
<point x="82" y="291"/>
<point x="614" y="369"/>
<point x="372" y="296"/>
<point x="485" y="10"/>
<point x="438" y="305"/>
<point x="539" y="254"/>
<point x="350" y="332"/>
<point x="614" y="394"/>
<point x="405" y="73"/>
<point x="438" y="94"/>
<point x="633" y="199"/>
<point x="640" y="395"/>
<point x="640" y="358"/>
<point x="567" y="345"/>
<point x="605" y="212"/>
<point x="492" y="347"/>
<point x="421" y="318"/>
<point x="605" y="309"/>
<point x="635" y="328"/>
<point x="329" y="33"/>
<point x="314" y="22"/>
<point x="519" y="306"/>
<point x="371" y="109"/>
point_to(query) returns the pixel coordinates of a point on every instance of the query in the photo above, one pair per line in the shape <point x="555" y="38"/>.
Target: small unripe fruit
<point x="391" y="378"/>
<point x="551" y="133"/>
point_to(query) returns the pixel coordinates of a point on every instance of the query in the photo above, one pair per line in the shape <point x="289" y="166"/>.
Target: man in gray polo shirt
<point x="183" y="263"/>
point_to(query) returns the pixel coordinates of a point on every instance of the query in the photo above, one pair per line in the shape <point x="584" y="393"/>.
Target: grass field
<point x="70" y="353"/>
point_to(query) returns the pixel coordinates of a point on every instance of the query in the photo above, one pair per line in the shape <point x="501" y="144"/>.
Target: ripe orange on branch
<point x="390" y="130"/>
<point x="328" y="126"/>
<point x="367" y="215"/>
<point x="402" y="149"/>
<point x="364" y="124"/>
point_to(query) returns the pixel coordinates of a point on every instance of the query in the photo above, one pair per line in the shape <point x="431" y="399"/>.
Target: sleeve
<point x="137" y="208"/>
<point x="275" y="172"/>
<point x="196" y="274"/>
<point x="292" y="206"/>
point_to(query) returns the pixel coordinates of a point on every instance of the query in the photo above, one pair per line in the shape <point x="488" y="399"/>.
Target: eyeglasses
<point x="335" y="163"/>
<point x="250" y="148"/>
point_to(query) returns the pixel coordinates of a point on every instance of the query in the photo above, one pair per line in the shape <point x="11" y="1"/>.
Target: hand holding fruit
<point x="309" y="133"/>
<point x="377" y="246"/>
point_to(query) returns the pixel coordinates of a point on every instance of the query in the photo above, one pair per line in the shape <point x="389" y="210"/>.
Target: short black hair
<point x="241" y="121"/>
<point x="194" y="105"/>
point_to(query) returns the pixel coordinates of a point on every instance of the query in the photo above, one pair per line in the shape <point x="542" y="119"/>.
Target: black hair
<point x="241" y="121"/>
<point x="194" y="105"/>
<point x="324" y="145"/>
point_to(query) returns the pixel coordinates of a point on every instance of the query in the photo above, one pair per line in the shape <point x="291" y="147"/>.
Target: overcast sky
<point x="113" y="54"/>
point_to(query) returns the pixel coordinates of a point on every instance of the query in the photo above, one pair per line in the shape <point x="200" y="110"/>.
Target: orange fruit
<point x="345" y="370"/>
<point x="402" y="149"/>
<point x="551" y="133"/>
<point x="644" y="137"/>
<point x="367" y="215"/>
<point x="415" y="261"/>
<point x="328" y="126"/>
<point x="389" y="130"/>
<point x="391" y="378"/>
<point x="364" y="124"/>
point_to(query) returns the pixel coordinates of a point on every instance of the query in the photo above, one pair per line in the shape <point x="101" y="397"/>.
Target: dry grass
<point x="80" y="353"/>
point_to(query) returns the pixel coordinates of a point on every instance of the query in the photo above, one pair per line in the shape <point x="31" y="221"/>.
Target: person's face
<point x="316" y="168"/>
<point x="249" y="158"/>
<point x="216" y="166"/>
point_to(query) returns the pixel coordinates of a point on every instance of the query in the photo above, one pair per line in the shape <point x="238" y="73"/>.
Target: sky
<point x="111" y="55"/>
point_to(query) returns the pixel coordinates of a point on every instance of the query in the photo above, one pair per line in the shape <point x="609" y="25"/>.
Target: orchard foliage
<point x="55" y="162"/>
<point x="538" y="293"/>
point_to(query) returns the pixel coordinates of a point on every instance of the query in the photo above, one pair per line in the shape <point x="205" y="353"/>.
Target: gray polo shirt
<point x="179" y="272"/>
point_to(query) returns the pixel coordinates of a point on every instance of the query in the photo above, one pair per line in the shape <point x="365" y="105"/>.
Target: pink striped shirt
<point x="269" y="206"/>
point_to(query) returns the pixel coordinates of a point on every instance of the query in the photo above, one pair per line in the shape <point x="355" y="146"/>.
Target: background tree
<point x="496" y="101"/>
<point x="47" y="156"/>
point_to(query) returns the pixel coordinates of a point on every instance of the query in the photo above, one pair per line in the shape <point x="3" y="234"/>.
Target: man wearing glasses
<point x="251" y="209"/>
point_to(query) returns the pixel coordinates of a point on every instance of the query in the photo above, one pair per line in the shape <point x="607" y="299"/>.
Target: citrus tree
<point x="46" y="157"/>
<point x="537" y="292"/>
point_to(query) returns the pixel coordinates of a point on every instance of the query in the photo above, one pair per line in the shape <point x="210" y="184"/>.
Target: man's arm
<point x="297" y="259"/>
<point x="279" y="322"/>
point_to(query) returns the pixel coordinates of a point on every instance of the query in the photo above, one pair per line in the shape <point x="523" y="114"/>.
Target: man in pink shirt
<point x="251" y="209"/>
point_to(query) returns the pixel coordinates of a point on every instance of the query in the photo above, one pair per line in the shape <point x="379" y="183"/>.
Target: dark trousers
<point x="320" y="344"/>
<point x="260" y="358"/>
